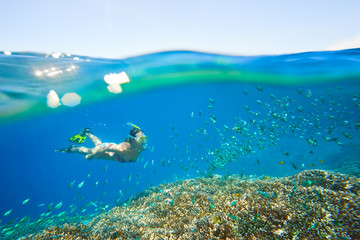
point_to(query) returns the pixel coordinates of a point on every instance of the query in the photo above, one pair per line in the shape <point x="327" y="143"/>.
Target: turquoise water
<point x="203" y="113"/>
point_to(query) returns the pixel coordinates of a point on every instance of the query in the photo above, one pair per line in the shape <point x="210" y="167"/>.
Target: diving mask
<point x="141" y="139"/>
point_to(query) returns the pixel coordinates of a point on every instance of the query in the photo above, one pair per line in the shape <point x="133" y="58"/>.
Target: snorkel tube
<point x="133" y="125"/>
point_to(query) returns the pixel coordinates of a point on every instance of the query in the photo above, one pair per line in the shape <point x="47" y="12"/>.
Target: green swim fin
<point x="66" y="150"/>
<point x="79" y="138"/>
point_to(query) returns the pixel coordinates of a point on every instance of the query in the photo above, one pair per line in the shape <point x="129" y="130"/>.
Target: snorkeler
<point x="127" y="151"/>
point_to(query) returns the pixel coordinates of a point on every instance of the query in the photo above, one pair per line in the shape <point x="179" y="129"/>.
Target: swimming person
<point x="127" y="151"/>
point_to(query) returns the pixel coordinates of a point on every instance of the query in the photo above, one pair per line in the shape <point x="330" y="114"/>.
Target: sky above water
<point x="128" y="28"/>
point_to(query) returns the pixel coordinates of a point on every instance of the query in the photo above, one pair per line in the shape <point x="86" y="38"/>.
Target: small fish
<point x="62" y="214"/>
<point x="25" y="219"/>
<point x="314" y="225"/>
<point x="227" y="128"/>
<point x="265" y="194"/>
<point x="50" y="207"/>
<point x="348" y="135"/>
<point x="313" y="165"/>
<point x="211" y="101"/>
<point x="7" y="213"/>
<point x="97" y="183"/>
<point x="233" y="203"/>
<point x="294" y="166"/>
<point x="26" y="201"/>
<point x="192" y="114"/>
<point x="234" y="217"/>
<point x="321" y="161"/>
<point x="7" y="234"/>
<point x="258" y="161"/>
<point x="145" y="165"/>
<point x="307" y="183"/>
<point x="259" y="88"/>
<point x="211" y="207"/>
<point x="106" y="168"/>
<point x="300" y="91"/>
<point x="300" y="108"/>
<point x="256" y="217"/>
<point x="312" y="141"/>
<point x="309" y="94"/>
<point x="336" y="223"/>
<point x="129" y="177"/>
<point x="286" y="153"/>
<point x="58" y="205"/>
<point x="71" y="184"/>
<point x="281" y="163"/>
<point x="81" y="184"/>
<point x="41" y="205"/>
<point x="89" y="174"/>
<point x="172" y="202"/>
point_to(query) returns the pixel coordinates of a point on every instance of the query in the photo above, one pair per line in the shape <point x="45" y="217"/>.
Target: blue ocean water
<point x="202" y="113"/>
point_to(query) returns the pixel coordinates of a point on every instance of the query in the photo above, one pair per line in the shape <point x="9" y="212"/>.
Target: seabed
<point x="313" y="204"/>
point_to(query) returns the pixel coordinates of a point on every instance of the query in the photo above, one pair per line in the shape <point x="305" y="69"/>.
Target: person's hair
<point x="134" y="131"/>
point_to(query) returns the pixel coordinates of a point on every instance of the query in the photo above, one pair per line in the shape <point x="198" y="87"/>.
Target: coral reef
<point x="14" y="229"/>
<point x="313" y="204"/>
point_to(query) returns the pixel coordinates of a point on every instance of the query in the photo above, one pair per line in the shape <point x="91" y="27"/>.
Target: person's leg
<point x="81" y="150"/>
<point x="94" y="138"/>
<point x="89" y="152"/>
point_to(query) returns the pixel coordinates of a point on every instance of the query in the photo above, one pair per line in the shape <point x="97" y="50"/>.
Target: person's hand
<point x="89" y="157"/>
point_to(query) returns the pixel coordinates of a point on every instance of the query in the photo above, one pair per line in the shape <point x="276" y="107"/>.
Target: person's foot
<point x="87" y="130"/>
<point x="71" y="148"/>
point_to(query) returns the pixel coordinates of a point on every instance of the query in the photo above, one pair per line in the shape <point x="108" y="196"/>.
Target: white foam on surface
<point x="53" y="99"/>
<point x="71" y="99"/>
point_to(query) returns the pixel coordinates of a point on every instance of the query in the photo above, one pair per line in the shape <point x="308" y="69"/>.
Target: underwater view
<point x="180" y="145"/>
